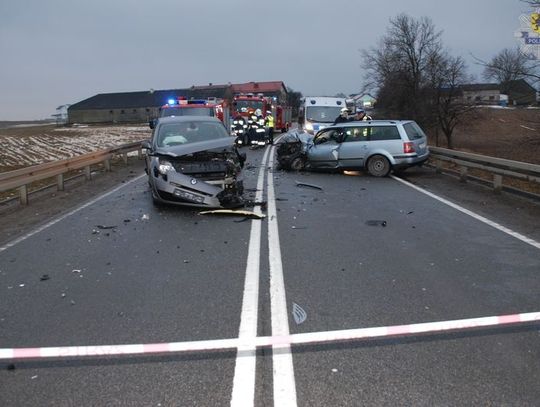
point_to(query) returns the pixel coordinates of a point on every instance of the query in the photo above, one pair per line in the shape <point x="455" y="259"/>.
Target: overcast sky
<point x="56" y="52"/>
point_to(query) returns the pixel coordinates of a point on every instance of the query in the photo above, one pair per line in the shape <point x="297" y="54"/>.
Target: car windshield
<point x="187" y="111"/>
<point x="248" y="104"/>
<point x="413" y="130"/>
<point x="170" y="134"/>
<point x="323" y="114"/>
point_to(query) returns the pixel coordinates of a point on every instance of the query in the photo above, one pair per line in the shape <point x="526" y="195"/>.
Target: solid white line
<point x="476" y="216"/>
<point x="243" y="391"/>
<point x="55" y="221"/>
<point x="282" y="361"/>
<point x="277" y="342"/>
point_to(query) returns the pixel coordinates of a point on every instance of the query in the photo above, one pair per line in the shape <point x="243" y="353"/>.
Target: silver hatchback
<point x="376" y="145"/>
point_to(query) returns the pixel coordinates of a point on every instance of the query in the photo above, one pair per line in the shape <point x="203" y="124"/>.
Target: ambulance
<point x="318" y="112"/>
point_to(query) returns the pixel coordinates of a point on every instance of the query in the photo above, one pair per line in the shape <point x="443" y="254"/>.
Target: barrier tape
<point x="267" y="341"/>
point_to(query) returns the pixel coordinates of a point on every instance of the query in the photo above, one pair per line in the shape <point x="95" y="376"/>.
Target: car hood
<point x="293" y="137"/>
<point x="191" y="148"/>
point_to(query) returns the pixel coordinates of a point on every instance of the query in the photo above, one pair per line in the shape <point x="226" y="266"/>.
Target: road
<point x="359" y="253"/>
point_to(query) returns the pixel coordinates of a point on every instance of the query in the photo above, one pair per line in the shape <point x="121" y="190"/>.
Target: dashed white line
<point x="282" y="361"/>
<point x="476" y="216"/>
<point x="243" y="392"/>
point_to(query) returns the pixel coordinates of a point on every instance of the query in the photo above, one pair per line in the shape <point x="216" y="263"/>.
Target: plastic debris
<point x="303" y="184"/>
<point x="44" y="277"/>
<point x="298" y="313"/>
<point x="34" y="377"/>
<point x="21" y="285"/>
<point x="145" y="217"/>
<point x="230" y="212"/>
<point x="334" y="370"/>
<point x="376" y="223"/>
<point x="106" y="227"/>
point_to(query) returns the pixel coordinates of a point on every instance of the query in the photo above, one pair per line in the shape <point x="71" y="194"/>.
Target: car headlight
<point x="165" y="166"/>
<point x="308" y="126"/>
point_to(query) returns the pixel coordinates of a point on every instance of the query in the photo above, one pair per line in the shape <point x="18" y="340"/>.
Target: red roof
<point x="255" y="87"/>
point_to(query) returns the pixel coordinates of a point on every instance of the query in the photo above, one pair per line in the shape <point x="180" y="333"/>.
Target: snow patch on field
<point x="61" y="143"/>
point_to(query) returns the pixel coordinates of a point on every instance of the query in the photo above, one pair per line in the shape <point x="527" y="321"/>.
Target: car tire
<point x="298" y="164"/>
<point x="378" y="166"/>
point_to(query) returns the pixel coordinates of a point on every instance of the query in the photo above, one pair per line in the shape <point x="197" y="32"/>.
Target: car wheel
<point x="298" y="163"/>
<point x="378" y="166"/>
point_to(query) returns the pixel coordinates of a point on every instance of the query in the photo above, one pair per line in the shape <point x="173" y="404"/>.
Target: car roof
<point x="182" y="119"/>
<point x="373" y="122"/>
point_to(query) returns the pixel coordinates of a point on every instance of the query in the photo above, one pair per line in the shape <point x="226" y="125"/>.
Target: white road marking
<point x="277" y="342"/>
<point x="282" y="361"/>
<point x="476" y="216"/>
<point x="243" y="392"/>
<point x="528" y="128"/>
<point x="74" y="211"/>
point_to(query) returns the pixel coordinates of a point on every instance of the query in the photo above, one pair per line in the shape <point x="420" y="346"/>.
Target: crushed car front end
<point x="291" y="150"/>
<point x="205" y="175"/>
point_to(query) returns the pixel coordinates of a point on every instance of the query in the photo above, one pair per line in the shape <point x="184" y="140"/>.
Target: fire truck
<point x="243" y="103"/>
<point x="183" y="107"/>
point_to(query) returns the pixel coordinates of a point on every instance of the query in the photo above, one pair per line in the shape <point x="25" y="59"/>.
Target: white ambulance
<point x="318" y="112"/>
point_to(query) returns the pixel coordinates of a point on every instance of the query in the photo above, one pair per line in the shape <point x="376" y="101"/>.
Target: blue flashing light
<point x="171" y="102"/>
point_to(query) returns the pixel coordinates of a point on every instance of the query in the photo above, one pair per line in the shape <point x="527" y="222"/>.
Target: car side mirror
<point x="152" y="123"/>
<point x="146" y="145"/>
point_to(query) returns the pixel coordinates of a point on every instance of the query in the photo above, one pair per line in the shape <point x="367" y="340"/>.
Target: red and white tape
<point x="267" y="341"/>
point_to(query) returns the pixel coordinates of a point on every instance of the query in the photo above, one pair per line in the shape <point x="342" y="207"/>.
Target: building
<point x="61" y="115"/>
<point x="364" y="100"/>
<point x="519" y="92"/>
<point x="515" y="93"/>
<point x="482" y="93"/>
<point x="138" y="107"/>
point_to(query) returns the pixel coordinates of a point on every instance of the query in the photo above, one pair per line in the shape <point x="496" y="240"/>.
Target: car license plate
<point x="188" y="196"/>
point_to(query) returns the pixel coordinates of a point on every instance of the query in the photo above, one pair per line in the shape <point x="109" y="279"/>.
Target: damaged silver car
<point x="377" y="146"/>
<point x="193" y="161"/>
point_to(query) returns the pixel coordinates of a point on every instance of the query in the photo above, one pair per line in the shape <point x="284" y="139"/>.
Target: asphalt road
<point x="121" y="271"/>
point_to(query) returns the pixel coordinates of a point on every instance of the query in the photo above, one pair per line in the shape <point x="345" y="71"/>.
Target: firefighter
<point x="251" y="123"/>
<point x="259" y="132"/>
<point x="239" y="128"/>
<point x="270" y="125"/>
<point x="343" y="117"/>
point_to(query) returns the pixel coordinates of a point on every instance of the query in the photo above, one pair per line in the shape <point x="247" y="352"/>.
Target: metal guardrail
<point x="499" y="167"/>
<point x="21" y="178"/>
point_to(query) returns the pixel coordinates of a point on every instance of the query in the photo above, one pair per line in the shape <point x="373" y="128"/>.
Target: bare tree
<point x="448" y="74"/>
<point x="397" y="66"/>
<point x="509" y="65"/>
<point x="415" y="78"/>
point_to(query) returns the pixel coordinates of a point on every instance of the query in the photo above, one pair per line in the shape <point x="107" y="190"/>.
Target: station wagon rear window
<point x="414" y="132"/>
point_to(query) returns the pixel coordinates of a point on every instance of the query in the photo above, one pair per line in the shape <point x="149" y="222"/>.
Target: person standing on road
<point x="343" y="117"/>
<point x="360" y="115"/>
<point x="270" y="125"/>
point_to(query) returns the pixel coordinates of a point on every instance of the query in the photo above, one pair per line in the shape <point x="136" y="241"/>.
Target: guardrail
<point x="499" y="167"/>
<point x="21" y="178"/>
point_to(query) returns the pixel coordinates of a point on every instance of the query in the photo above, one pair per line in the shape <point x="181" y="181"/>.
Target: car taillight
<point x="408" y="147"/>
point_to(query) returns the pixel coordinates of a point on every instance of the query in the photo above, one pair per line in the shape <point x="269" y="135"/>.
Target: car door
<point x="324" y="153"/>
<point x="354" y="146"/>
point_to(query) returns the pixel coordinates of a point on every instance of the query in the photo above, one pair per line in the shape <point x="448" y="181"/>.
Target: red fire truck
<point x="183" y="107"/>
<point x="243" y="103"/>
